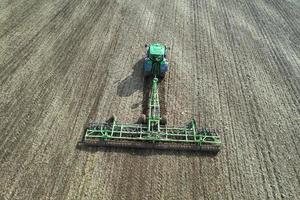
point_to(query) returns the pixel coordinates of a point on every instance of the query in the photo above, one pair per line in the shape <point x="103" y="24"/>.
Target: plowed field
<point x="234" y="65"/>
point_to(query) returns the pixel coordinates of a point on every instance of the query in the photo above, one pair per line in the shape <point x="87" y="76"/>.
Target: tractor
<point x="155" y="62"/>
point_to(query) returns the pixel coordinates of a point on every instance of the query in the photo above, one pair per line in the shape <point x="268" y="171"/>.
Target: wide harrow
<point x="153" y="133"/>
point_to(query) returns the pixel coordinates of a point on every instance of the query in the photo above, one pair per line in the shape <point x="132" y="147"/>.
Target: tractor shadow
<point x="133" y="82"/>
<point x="136" y="82"/>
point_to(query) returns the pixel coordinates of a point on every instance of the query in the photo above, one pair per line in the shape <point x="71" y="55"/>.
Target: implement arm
<point x="154" y="108"/>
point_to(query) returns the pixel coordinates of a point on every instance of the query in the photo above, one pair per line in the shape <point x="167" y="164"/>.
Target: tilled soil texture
<point x="234" y="65"/>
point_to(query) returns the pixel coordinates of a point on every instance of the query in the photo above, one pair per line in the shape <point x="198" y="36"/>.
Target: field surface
<point x="234" y="65"/>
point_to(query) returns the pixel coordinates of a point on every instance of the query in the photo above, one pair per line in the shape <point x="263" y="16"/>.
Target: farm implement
<point x="152" y="130"/>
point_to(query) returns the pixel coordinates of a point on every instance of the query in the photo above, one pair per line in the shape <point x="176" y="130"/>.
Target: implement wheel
<point x="111" y="119"/>
<point x="142" y="119"/>
<point x="163" y="121"/>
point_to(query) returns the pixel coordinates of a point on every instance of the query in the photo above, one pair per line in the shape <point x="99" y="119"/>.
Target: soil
<point x="234" y="65"/>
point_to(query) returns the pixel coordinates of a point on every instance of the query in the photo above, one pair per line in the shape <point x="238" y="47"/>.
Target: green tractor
<point x="155" y="62"/>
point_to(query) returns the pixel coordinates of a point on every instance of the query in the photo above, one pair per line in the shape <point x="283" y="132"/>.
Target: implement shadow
<point x="144" y="152"/>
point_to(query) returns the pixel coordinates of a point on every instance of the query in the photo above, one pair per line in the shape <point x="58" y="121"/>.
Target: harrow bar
<point x="138" y="136"/>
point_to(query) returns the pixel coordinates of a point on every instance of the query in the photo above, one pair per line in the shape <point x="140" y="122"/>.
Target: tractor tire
<point x="162" y="76"/>
<point x="142" y="119"/>
<point x="163" y="121"/>
<point x="147" y="74"/>
<point x="111" y="119"/>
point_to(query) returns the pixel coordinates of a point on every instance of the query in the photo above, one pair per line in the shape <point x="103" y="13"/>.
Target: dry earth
<point x="235" y="65"/>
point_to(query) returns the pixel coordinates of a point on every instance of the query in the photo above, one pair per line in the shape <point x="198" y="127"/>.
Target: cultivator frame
<point x="137" y="136"/>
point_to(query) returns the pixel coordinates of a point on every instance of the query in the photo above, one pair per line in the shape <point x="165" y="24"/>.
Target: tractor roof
<point x="157" y="49"/>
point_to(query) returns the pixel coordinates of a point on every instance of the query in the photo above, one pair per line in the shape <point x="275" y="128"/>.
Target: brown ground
<point x="234" y="65"/>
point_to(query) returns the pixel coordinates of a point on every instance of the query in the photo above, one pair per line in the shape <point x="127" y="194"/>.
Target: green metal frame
<point x="140" y="132"/>
<point x="153" y="132"/>
<point x="154" y="109"/>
